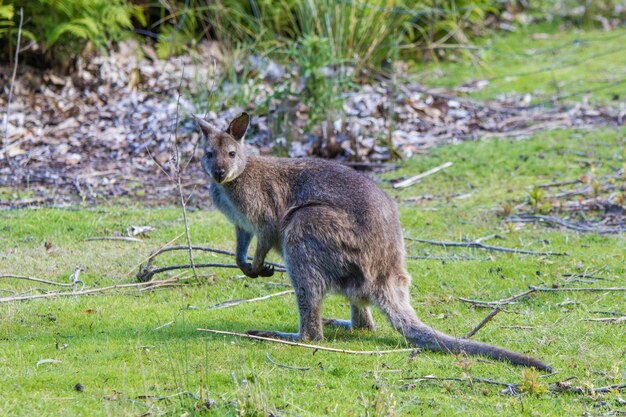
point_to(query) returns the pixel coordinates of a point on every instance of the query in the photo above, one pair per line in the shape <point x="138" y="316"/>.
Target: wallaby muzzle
<point x="218" y="175"/>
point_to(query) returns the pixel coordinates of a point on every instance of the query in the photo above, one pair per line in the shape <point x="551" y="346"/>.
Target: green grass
<point x="140" y="353"/>
<point x="568" y="63"/>
<point x="115" y="347"/>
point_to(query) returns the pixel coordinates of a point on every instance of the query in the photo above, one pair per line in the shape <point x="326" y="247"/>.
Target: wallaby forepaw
<point x="248" y="271"/>
<point x="267" y="271"/>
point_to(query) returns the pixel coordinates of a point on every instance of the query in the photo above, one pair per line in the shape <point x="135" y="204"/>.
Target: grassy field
<point x="543" y="62"/>
<point x="140" y="352"/>
<point x="129" y="352"/>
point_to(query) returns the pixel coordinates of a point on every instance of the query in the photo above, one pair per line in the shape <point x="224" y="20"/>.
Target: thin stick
<point x="179" y="183"/>
<point x="201" y="248"/>
<point x="559" y="183"/>
<point x="410" y="181"/>
<point x="148" y="260"/>
<point x="6" y="120"/>
<point x="123" y="238"/>
<point x="517" y="327"/>
<point x="469" y="380"/>
<point x="484" y="321"/>
<point x="232" y="303"/>
<point x="86" y="292"/>
<point x="593" y="289"/>
<point x="499" y="302"/>
<point x="267" y="356"/>
<point x="448" y="258"/>
<point x="608" y="319"/>
<point x="479" y="245"/>
<point x="146" y="274"/>
<point x="43" y="281"/>
<point x="304" y="345"/>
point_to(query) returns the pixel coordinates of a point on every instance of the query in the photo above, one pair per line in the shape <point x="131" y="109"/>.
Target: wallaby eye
<point x="231" y="154"/>
<point x="209" y="154"/>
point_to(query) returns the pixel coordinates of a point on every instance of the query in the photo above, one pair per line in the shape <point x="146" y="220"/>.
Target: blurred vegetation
<point x="359" y="32"/>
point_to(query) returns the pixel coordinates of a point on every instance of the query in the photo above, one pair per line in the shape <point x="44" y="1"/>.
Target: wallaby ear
<point x="238" y="126"/>
<point x="207" y="128"/>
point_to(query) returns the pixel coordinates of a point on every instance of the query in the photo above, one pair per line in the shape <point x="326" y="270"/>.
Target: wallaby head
<point x="224" y="154"/>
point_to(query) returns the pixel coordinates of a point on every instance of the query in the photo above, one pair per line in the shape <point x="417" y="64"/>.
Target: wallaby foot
<point x="249" y="271"/>
<point x="360" y="318"/>
<point x="294" y="337"/>
<point x="346" y="324"/>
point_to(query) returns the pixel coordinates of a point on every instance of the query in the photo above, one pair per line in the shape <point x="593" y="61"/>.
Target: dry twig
<point x="179" y="182"/>
<point x="152" y="284"/>
<point x="592" y="289"/>
<point x="479" y="245"/>
<point x="42" y="281"/>
<point x="304" y="345"/>
<point x="482" y="323"/>
<point x="122" y="238"/>
<point x="512" y="387"/>
<point x="267" y="356"/>
<point x="410" y="181"/>
<point x="231" y="303"/>
<point x="608" y="319"/>
<point x="12" y="85"/>
<point x="146" y="272"/>
<point x="503" y="301"/>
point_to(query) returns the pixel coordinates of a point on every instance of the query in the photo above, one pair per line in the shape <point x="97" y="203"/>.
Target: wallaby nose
<point x="219" y="174"/>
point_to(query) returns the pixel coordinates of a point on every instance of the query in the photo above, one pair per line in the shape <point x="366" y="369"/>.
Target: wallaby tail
<point x="403" y="318"/>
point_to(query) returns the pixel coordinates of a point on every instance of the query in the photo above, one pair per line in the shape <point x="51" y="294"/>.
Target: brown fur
<point x="336" y="230"/>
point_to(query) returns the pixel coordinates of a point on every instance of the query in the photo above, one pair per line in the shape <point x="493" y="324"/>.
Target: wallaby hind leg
<point x="360" y="318"/>
<point x="309" y="303"/>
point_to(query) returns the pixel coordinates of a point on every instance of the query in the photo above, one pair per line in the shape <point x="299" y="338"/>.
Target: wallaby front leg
<point x="243" y="243"/>
<point x="258" y="264"/>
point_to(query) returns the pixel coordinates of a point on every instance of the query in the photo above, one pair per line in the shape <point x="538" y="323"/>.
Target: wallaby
<point x="336" y="230"/>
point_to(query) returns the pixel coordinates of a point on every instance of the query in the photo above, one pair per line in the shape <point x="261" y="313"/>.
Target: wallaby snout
<point x="218" y="174"/>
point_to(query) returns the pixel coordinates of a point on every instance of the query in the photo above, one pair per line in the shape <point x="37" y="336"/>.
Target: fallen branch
<point x="593" y="289"/>
<point x="448" y="258"/>
<point x="559" y="183"/>
<point x="410" y="181"/>
<point x="304" y="345"/>
<point x="511" y="386"/>
<point x="517" y="327"/>
<point x="592" y="277"/>
<point x="88" y="292"/>
<point x="482" y="323"/>
<point x="122" y="238"/>
<point x="267" y="356"/>
<point x="568" y="225"/>
<point x="608" y="319"/>
<point x="232" y="303"/>
<point x="200" y="248"/>
<point x="177" y="178"/>
<point x="533" y="289"/>
<point x="146" y="273"/>
<point x="503" y="301"/>
<point x="42" y="281"/>
<point x="479" y="245"/>
<point x="10" y="98"/>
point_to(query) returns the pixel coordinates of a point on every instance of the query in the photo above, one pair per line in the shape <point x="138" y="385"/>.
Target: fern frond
<point x="75" y="29"/>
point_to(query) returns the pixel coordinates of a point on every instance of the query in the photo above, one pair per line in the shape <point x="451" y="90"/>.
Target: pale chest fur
<point x="233" y="212"/>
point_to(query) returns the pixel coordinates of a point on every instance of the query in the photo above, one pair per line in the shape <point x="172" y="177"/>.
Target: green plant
<point x="64" y="27"/>
<point x="324" y="79"/>
<point x="6" y="18"/>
